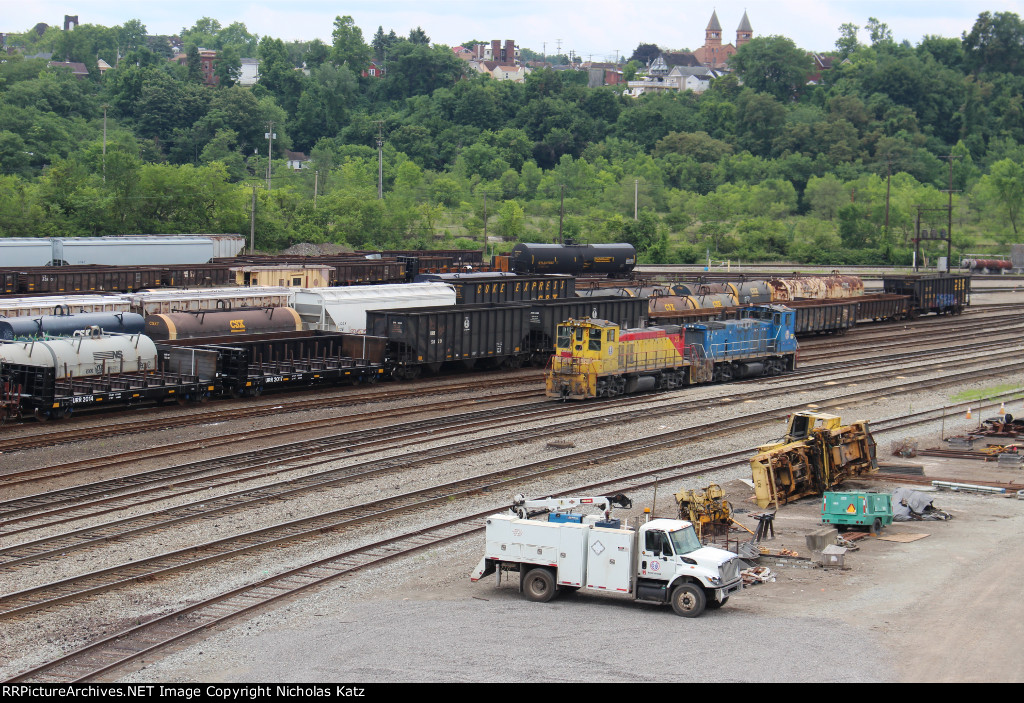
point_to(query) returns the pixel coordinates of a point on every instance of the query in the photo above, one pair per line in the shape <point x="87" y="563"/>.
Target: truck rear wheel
<point x="688" y="600"/>
<point x="539" y="585"/>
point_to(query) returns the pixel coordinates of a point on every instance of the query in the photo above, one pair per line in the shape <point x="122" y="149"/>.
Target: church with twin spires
<point x="715" y="54"/>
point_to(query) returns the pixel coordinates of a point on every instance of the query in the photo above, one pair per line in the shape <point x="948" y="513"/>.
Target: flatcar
<point x="248" y="366"/>
<point x="599" y="358"/>
<point x="51" y="378"/>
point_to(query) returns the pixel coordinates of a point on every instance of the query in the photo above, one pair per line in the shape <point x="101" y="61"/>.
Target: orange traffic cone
<point x="968" y="412"/>
<point x="1002" y="408"/>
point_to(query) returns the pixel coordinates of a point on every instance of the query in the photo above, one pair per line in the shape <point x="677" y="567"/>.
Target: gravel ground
<point x="452" y="630"/>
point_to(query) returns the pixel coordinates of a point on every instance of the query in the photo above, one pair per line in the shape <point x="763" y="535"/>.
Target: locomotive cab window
<point x="595" y="340"/>
<point x="564" y="337"/>
<point x="611" y="336"/>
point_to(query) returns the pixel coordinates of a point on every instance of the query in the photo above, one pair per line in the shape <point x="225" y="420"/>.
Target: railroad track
<point x="134" y="643"/>
<point x="58" y="507"/>
<point x="151" y="487"/>
<point x="76" y="433"/>
<point x="305" y="530"/>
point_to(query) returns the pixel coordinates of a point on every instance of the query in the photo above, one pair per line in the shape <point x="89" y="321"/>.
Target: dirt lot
<point x="946" y="607"/>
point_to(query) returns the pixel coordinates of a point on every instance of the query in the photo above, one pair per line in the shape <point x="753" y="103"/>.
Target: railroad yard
<point x="330" y="535"/>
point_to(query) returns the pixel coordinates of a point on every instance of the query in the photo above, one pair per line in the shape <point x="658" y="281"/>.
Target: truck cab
<point x="674" y="567"/>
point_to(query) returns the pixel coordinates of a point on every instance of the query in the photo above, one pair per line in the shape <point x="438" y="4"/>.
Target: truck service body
<point x="661" y="562"/>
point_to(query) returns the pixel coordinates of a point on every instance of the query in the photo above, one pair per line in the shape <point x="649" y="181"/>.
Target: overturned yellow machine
<point x="817" y="454"/>
<point x="705" y="509"/>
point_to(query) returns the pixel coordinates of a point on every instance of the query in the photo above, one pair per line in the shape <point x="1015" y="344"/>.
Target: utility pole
<point x="105" y="143"/>
<point x="636" y="198"/>
<point x="316" y="183"/>
<point x="380" y="160"/>
<point x="252" y="222"/>
<point x="485" y="221"/>
<point x="561" y="215"/>
<point x="949" y="225"/>
<point x="270" y="144"/>
<point x="888" y="179"/>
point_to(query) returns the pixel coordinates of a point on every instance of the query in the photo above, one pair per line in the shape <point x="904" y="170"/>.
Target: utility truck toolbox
<point x="660" y="562"/>
<point x="857" y="508"/>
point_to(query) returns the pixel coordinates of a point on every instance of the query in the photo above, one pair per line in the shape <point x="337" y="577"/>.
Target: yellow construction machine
<point x="816" y="455"/>
<point x="705" y="508"/>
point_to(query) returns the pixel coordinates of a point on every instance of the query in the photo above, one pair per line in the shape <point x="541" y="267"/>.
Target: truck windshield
<point x="685" y="541"/>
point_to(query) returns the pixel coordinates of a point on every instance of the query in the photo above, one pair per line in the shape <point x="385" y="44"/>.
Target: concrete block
<point x="818" y="540"/>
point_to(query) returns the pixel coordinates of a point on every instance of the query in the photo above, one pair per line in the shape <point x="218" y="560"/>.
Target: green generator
<point x="870" y="510"/>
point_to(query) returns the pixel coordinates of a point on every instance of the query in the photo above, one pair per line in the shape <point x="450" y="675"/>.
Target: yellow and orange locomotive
<point x="597" y="358"/>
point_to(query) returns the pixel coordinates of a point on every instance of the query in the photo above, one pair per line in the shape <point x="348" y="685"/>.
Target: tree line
<point x="763" y="165"/>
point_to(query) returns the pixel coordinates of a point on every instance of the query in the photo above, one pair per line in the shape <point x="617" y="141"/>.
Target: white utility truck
<point x="660" y="562"/>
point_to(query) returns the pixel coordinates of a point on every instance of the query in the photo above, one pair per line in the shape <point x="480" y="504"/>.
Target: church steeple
<point x="713" y="33"/>
<point x="744" y="32"/>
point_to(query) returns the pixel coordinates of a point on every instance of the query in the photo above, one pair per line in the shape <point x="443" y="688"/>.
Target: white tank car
<point x="89" y="353"/>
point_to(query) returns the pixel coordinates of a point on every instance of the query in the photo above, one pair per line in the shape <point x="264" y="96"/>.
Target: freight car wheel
<point x="40" y="415"/>
<point x="726" y="375"/>
<point x="688" y="600"/>
<point x="539" y="585"/>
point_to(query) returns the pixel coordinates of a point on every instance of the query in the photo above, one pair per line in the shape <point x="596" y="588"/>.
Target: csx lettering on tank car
<point x="597" y="358"/>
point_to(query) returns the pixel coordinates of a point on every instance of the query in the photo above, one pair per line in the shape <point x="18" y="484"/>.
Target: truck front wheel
<point x="539" y="585"/>
<point x="688" y="600"/>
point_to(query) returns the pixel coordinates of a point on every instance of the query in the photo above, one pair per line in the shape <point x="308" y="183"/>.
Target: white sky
<point x="592" y="28"/>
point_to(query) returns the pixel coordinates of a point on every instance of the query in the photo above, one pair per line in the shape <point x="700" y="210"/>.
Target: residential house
<point x="603" y="74"/>
<point x="374" y="70"/>
<point x="822" y="63"/>
<point x="78" y="70"/>
<point x="678" y="78"/>
<point x="250" y="72"/>
<point x="207" y="60"/>
<point x="296" y="160"/>
<point x="516" y="74"/>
